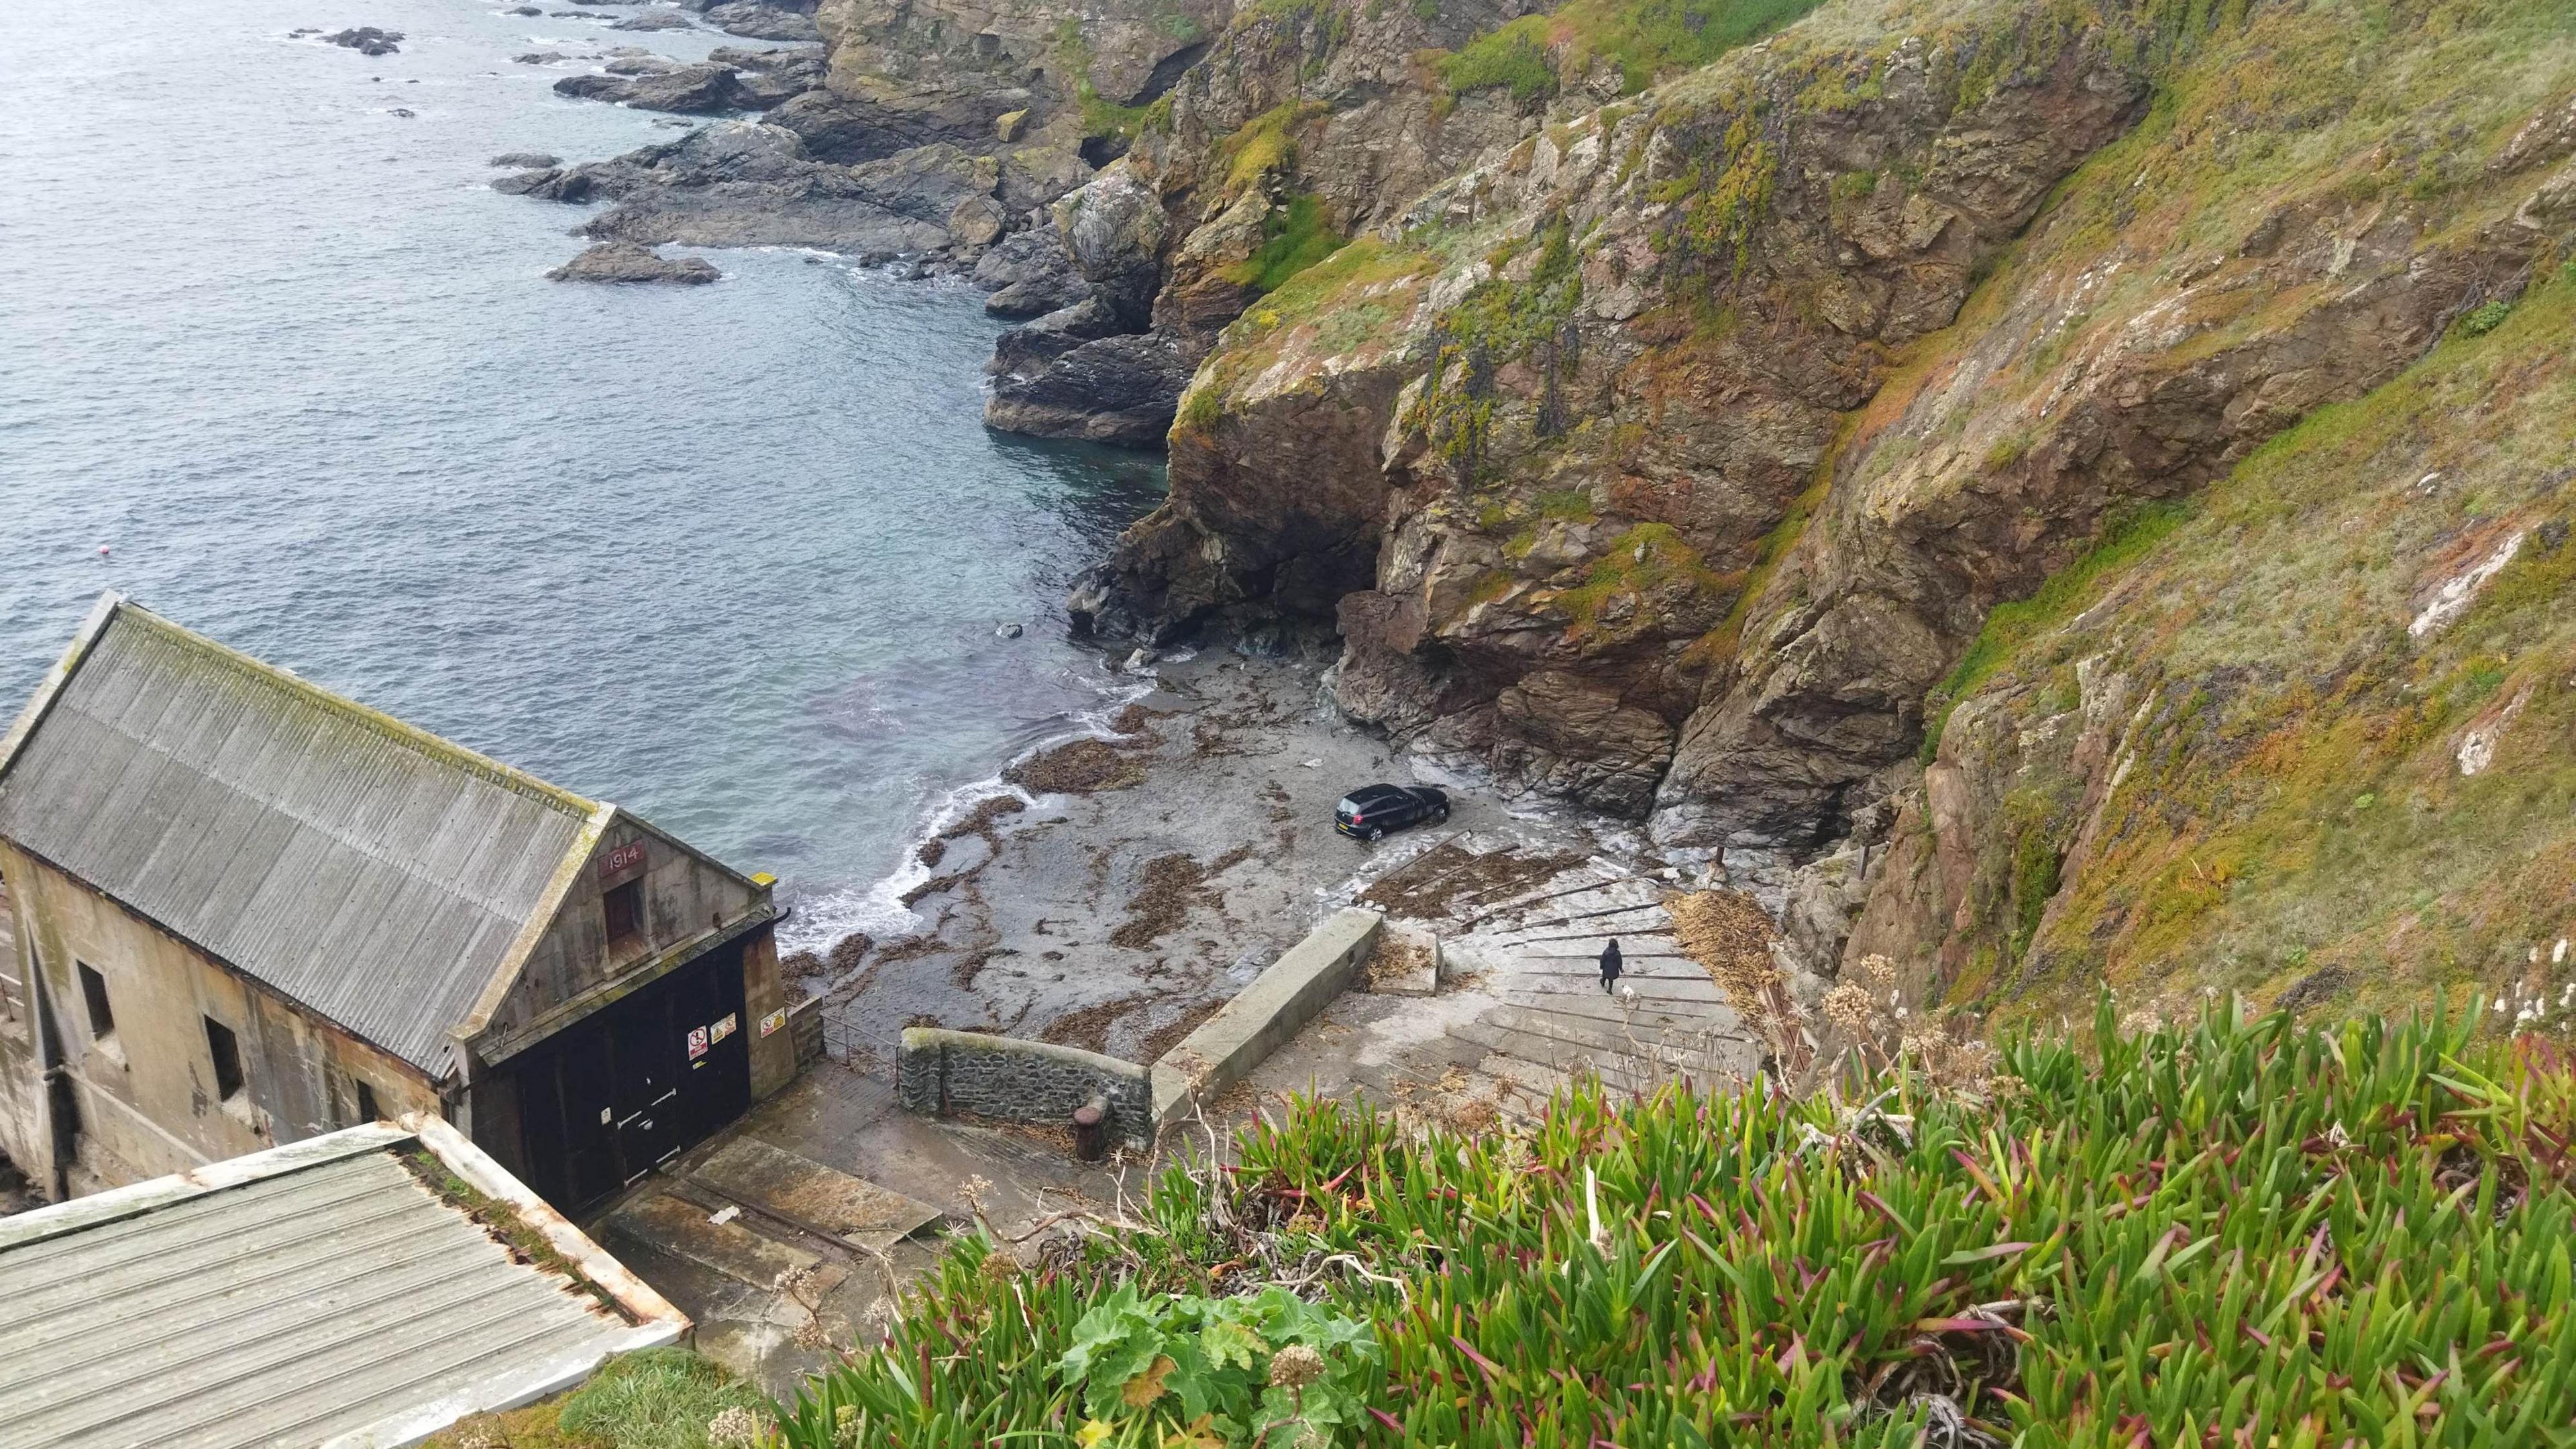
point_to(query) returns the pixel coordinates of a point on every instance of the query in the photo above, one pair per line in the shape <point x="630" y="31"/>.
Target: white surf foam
<point x="877" y="908"/>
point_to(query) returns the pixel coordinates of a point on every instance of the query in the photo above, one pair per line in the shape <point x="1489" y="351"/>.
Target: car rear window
<point x="1347" y="805"/>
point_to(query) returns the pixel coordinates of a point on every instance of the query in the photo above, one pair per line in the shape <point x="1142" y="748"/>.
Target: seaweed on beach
<point x="1082" y="767"/>
<point x="1172" y="885"/>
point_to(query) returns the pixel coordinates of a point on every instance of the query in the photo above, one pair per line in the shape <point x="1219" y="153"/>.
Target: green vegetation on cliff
<point x="1537" y="55"/>
<point x="2232" y="1232"/>
<point x="1265" y="145"/>
<point x="2014" y="624"/>
<point x="1355" y="298"/>
<point x="1502" y="321"/>
<point x="2353" y="681"/>
<point x="1294" y="236"/>
<point x="1102" y="116"/>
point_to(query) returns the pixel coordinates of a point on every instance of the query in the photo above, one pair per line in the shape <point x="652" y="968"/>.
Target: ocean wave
<point x="877" y="907"/>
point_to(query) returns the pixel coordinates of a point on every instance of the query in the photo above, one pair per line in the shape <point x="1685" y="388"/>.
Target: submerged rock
<point x="625" y="262"/>
<point x="525" y="160"/>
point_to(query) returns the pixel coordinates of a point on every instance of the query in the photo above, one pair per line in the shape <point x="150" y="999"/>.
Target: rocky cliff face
<point x="1303" y="124"/>
<point x="1672" y="458"/>
<point x="2305" y="732"/>
<point x="1531" y="446"/>
<point x="2149" y="336"/>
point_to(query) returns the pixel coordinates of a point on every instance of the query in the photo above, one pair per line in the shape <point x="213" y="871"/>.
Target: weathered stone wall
<point x="805" y="1026"/>
<point x="940" y="1071"/>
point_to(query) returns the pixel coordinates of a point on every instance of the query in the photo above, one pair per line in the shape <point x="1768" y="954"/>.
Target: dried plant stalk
<point x="1730" y="936"/>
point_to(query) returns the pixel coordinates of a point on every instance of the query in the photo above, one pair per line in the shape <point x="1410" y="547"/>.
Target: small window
<point x="625" y="905"/>
<point x="367" y="1104"/>
<point x="102" y="1021"/>
<point x="227" y="1054"/>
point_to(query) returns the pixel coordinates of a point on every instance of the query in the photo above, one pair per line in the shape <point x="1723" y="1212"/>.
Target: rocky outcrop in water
<point x="654" y="20"/>
<point x="367" y="40"/>
<point x="731" y="78"/>
<point x="689" y="90"/>
<point x="1118" y="389"/>
<point x="750" y="184"/>
<point x="931" y="134"/>
<point x="626" y="262"/>
<point x="1030" y="274"/>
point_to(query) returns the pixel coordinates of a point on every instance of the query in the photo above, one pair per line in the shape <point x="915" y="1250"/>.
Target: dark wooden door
<point x="648" y="1069"/>
<point x="636" y="1083"/>
<point x="715" y="1085"/>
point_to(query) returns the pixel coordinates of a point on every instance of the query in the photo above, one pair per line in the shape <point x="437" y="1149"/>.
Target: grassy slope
<point x="2338" y="106"/>
<point x="1534" y="57"/>
<point x="2238" y="863"/>
<point x="661" y="1398"/>
<point x="2298" y="802"/>
<point x="2234" y="1233"/>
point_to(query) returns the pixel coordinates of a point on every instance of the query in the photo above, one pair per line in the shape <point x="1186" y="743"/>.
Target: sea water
<point x="733" y="556"/>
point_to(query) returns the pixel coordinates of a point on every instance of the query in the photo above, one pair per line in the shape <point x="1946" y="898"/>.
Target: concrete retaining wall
<point x="1019" y="1081"/>
<point x="1264" y="1015"/>
<point x="805" y="1027"/>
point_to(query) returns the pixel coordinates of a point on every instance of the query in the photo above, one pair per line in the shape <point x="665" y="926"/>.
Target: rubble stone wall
<point x="944" y="1072"/>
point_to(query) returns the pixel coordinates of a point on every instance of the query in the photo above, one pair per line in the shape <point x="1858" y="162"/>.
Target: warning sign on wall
<point x="723" y="1028"/>
<point x="772" y="1022"/>
<point x="697" y="1042"/>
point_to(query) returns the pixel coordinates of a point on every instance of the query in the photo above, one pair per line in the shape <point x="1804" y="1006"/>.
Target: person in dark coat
<point x="1610" y="966"/>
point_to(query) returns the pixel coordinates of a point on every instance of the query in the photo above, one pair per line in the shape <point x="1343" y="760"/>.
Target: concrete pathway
<point x="834" y="1183"/>
<point x="1520" y="1009"/>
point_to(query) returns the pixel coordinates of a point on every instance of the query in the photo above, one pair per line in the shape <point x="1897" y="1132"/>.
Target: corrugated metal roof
<point x="282" y="1310"/>
<point x="369" y="870"/>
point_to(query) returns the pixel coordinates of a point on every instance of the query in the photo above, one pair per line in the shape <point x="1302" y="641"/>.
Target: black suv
<point x="1372" y="810"/>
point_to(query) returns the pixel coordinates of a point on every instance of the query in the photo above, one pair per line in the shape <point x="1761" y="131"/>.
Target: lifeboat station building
<point x="242" y="911"/>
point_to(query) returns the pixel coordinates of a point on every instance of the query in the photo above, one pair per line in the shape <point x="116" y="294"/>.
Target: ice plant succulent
<point x="2233" y="1230"/>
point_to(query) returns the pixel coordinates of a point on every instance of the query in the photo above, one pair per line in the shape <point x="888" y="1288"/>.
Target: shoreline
<point x="1144" y="869"/>
<point x="878" y="909"/>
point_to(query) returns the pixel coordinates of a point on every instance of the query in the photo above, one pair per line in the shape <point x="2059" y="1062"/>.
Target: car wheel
<point x="1440" y="814"/>
<point x="1375" y="834"/>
